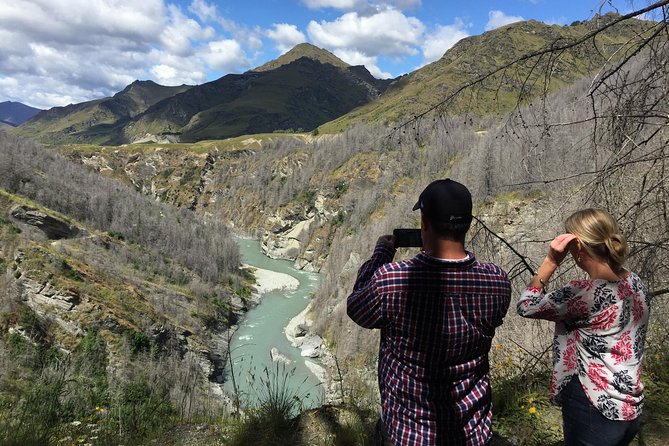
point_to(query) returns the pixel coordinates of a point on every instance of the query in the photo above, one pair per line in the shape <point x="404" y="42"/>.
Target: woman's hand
<point x="557" y="251"/>
<point x="559" y="247"/>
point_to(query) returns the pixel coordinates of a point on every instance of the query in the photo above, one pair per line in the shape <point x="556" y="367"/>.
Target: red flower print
<point x="597" y="375"/>
<point x="628" y="412"/>
<point x="624" y="290"/>
<point x="582" y="284"/>
<point x="546" y="312"/>
<point x="576" y="308"/>
<point x="553" y="390"/>
<point x="622" y="351"/>
<point x="637" y="310"/>
<point x="569" y="358"/>
<point x="605" y="319"/>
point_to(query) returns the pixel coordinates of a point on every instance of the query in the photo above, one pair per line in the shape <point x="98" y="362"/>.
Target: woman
<point x="600" y="330"/>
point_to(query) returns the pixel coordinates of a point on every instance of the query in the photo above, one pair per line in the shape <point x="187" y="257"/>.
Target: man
<point x="437" y="313"/>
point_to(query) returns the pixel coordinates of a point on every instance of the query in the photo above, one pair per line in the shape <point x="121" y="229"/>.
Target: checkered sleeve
<point x="363" y="305"/>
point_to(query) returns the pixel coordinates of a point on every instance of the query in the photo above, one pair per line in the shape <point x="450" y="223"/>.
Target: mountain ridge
<point x="82" y="122"/>
<point x="300" y="90"/>
<point x="475" y="57"/>
<point x="310" y="89"/>
<point x="16" y="113"/>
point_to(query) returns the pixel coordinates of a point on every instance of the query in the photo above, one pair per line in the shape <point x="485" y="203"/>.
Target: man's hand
<point x="386" y="240"/>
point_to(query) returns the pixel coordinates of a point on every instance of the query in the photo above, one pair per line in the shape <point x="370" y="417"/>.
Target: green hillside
<point x="297" y="92"/>
<point x="303" y="50"/>
<point x="95" y="121"/>
<point x="476" y="57"/>
<point x="300" y="90"/>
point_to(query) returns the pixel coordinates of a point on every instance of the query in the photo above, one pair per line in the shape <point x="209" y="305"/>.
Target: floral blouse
<point x="600" y="330"/>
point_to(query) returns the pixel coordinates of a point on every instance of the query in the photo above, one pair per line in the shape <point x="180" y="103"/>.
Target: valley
<point x="142" y="281"/>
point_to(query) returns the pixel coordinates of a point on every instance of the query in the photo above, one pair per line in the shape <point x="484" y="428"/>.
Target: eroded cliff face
<point x="255" y="192"/>
<point x="81" y="280"/>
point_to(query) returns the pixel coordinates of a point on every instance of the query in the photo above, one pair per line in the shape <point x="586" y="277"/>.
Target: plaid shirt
<point x="437" y="320"/>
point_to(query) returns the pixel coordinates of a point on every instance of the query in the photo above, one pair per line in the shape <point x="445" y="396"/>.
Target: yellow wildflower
<point x="532" y="410"/>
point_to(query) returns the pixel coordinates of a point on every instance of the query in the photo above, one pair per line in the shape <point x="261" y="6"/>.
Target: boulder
<point x="277" y="356"/>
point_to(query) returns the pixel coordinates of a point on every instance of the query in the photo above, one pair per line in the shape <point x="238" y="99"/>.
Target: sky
<point x="58" y="52"/>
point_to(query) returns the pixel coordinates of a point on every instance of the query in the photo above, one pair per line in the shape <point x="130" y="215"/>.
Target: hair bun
<point x="617" y="247"/>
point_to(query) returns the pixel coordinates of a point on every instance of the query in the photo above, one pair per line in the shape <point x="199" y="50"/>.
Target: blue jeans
<point x="585" y="426"/>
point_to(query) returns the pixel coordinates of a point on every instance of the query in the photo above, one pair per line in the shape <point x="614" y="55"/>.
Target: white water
<point x="262" y="329"/>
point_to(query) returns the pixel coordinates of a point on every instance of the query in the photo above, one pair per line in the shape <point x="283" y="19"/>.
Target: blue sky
<point x="69" y="51"/>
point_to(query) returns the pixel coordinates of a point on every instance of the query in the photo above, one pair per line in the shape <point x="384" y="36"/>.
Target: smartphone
<point x="405" y="238"/>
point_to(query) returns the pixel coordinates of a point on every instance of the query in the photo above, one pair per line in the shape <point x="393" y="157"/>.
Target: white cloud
<point x="336" y="4"/>
<point x="442" y="39"/>
<point x="225" y="55"/>
<point x="556" y="21"/>
<point x="173" y="70"/>
<point x="179" y="35"/>
<point x="362" y="5"/>
<point x="203" y="10"/>
<point x="388" y="33"/>
<point x="498" y="18"/>
<point x="285" y="36"/>
<point x="67" y="51"/>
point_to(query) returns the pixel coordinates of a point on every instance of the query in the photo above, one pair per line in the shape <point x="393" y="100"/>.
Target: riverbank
<point x="324" y="368"/>
<point x="297" y="330"/>
<point x="267" y="280"/>
<point x="279" y="292"/>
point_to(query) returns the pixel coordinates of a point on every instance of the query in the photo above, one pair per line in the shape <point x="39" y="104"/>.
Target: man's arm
<point x="363" y="305"/>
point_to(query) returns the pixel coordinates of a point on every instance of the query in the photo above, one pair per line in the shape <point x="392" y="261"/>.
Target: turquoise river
<point x="262" y="328"/>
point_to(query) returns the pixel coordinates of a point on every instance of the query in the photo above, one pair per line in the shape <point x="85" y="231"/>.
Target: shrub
<point x="272" y="420"/>
<point x="35" y="420"/>
<point x="138" y="341"/>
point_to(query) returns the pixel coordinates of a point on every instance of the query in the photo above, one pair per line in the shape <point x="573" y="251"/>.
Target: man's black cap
<point x="447" y="201"/>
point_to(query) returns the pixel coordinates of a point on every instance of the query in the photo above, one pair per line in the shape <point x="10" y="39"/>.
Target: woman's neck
<point x="602" y="270"/>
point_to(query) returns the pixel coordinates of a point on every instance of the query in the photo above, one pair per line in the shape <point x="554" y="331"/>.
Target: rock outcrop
<point x="52" y="227"/>
<point x="290" y="236"/>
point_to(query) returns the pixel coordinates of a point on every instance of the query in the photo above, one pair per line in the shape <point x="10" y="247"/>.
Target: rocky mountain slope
<point x="73" y="274"/>
<point x="297" y="92"/>
<point x="476" y="57"/>
<point x="16" y="113"/>
<point x="95" y="121"/>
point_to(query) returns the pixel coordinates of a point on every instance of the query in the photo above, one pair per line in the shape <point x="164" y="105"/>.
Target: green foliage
<point x="138" y="341"/>
<point x="340" y="189"/>
<point x="18" y="345"/>
<point x="69" y="272"/>
<point x="338" y="219"/>
<point x="117" y="235"/>
<point x="38" y="414"/>
<point x="90" y="366"/>
<point x="306" y="196"/>
<point x="188" y="176"/>
<point x="142" y="407"/>
<point x="12" y="229"/>
<point x="167" y="172"/>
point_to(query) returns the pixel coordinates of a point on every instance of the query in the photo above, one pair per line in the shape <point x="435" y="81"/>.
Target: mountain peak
<point x="16" y="113"/>
<point x="303" y="50"/>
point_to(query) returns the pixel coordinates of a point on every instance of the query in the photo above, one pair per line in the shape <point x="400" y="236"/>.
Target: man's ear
<point x="424" y="222"/>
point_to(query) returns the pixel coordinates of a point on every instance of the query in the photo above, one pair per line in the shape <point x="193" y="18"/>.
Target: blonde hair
<point x="600" y="236"/>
